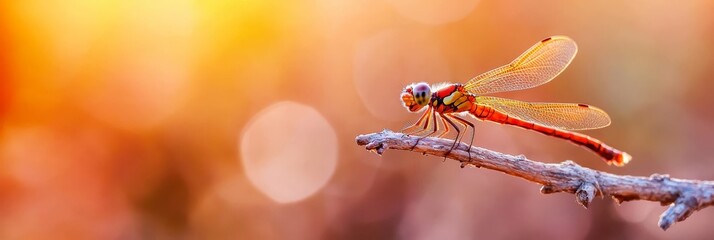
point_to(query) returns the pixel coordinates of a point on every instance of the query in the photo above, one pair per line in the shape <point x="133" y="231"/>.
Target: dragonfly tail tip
<point x="622" y="159"/>
<point x="626" y="158"/>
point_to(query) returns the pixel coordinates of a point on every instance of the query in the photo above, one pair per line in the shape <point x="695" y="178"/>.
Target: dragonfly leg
<point x="458" y="132"/>
<point x="445" y="122"/>
<point x="473" y="130"/>
<point x="418" y="123"/>
<point x="435" y="128"/>
<point x="446" y="127"/>
<point x="426" y="125"/>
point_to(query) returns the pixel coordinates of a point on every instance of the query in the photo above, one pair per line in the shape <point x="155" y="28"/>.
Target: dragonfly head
<point x="416" y="96"/>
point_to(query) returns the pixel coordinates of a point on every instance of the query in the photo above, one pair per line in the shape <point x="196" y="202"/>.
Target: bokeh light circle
<point x="434" y="12"/>
<point x="288" y="151"/>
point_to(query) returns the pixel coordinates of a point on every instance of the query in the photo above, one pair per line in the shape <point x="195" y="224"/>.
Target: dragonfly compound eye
<point x="422" y="93"/>
<point x="416" y="96"/>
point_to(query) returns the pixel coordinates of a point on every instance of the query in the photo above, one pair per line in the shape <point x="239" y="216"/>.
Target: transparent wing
<point x="538" y="65"/>
<point x="566" y="116"/>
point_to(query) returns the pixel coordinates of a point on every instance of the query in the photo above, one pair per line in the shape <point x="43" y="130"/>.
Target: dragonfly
<point x="447" y="104"/>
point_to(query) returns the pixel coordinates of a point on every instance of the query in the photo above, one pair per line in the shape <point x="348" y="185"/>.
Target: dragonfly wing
<point x="566" y="116"/>
<point x="537" y="65"/>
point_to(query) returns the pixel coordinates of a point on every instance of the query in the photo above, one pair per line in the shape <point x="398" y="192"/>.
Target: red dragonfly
<point x="536" y="66"/>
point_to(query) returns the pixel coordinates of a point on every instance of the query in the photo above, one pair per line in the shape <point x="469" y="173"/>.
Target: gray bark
<point x="683" y="196"/>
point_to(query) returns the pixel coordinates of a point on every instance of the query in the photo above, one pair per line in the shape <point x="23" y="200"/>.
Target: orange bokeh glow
<point x="236" y="119"/>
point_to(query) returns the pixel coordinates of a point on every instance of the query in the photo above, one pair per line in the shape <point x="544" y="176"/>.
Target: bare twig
<point x="683" y="196"/>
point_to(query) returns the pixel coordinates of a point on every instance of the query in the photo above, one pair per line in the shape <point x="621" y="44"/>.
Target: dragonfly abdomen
<point x="608" y="153"/>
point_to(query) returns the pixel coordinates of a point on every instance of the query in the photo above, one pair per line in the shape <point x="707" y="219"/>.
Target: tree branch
<point x="683" y="196"/>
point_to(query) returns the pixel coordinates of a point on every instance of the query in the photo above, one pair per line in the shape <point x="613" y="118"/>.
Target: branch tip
<point x="362" y="139"/>
<point x="585" y="194"/>
<point x="377" y="147"/>
<point x="677" y="212"/>
<point x="547" y="190"/>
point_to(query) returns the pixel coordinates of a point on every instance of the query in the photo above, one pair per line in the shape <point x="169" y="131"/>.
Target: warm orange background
<point x="236" y="119"/>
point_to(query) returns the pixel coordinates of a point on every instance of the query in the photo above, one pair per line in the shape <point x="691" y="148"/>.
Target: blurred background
<point x="236" y="119"/>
